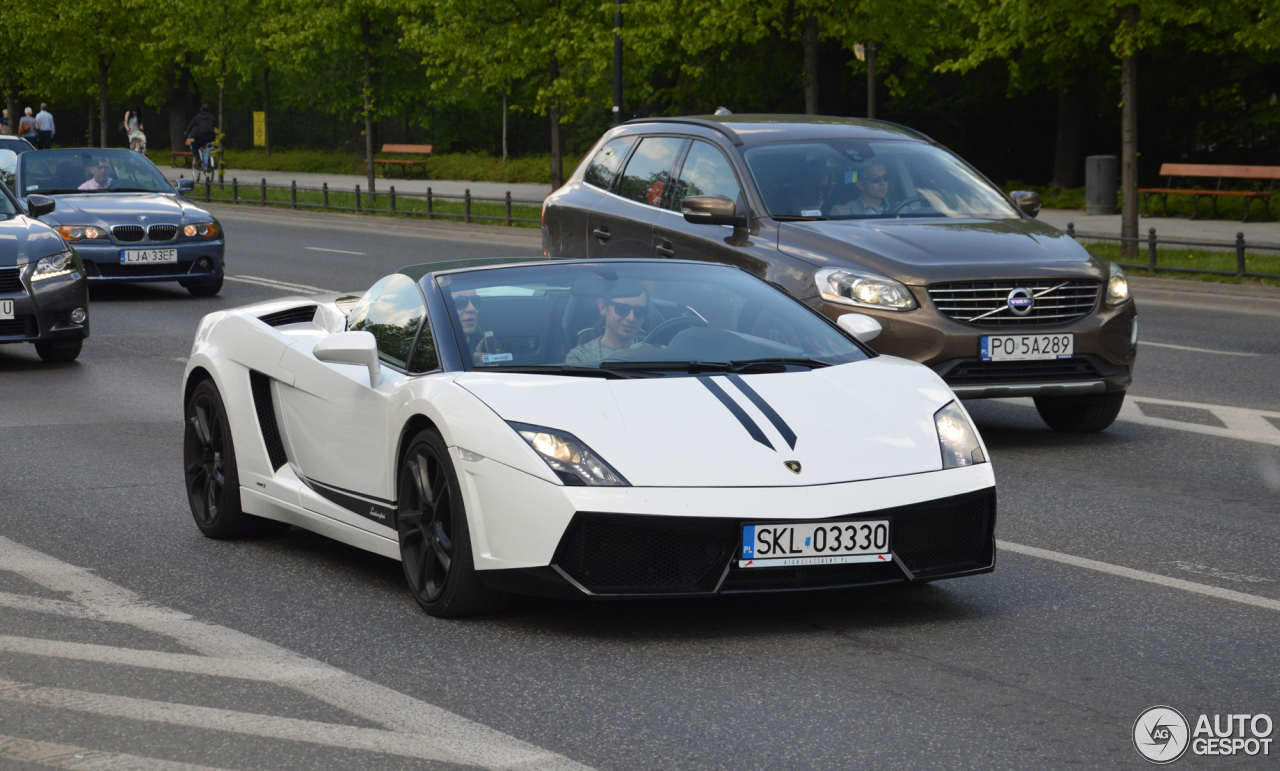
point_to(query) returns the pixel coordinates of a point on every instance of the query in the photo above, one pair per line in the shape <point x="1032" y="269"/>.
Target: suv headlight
<point x="54" y="265"/>
<point x="202" y="229"/>
<point x="866" y="290"/>
<point x="80" y="232"/>
<point x="956" y="437"/>
<point x="573" y="461"/>
<point x="1117" y="287"/>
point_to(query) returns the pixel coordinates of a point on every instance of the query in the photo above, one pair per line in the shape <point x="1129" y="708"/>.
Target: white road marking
<point x="230" y="721"/>
<point x="335" y="251"/>
<point x="411" y="724"/>
<point x="1142" y="575"/>
<point x="47" y="606"/>
<point x="81" y="759"/>
<point x="1197" y="350"/>
<point x="270" y="282"/>
<point x="1244" y="424"/>
<point x="1226" y="575"/>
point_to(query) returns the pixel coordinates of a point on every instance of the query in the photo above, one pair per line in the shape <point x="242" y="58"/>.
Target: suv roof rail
<point x="710" y="124"/>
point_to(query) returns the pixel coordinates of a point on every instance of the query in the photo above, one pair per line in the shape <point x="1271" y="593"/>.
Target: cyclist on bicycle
<point x="202" y="130"/>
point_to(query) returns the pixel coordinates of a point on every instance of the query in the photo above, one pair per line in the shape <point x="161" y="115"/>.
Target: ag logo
<point x="792" y="465"/>
<point x="1160" y="735"/>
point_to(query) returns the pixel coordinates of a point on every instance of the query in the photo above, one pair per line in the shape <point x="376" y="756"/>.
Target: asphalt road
<point x="127" y="640"/>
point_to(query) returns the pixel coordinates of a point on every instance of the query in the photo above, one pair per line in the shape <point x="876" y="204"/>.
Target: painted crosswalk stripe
<point x="1196" y="350"/>
<point x="67" y="756"/>
<point x="1258" y="426"/>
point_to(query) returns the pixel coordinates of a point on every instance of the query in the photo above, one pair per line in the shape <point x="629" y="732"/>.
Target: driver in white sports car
<point x="623" y="311"/>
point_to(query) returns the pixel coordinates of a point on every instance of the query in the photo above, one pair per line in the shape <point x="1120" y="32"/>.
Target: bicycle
<point x="204" y="162"/>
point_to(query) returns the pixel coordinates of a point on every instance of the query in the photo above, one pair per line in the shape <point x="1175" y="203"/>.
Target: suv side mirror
<point x="861" y="326"/>
<point x="40" y="205"/>
<point x="711" y="210"/>
<point x="1027" y="202"/>
<point x="358" y="348"/>
<point x="186" y="185"/>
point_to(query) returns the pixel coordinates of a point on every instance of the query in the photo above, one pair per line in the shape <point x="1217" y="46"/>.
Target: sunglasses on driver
<point x="875" y="179"/>
<point x="462" y="301"/>
<point x="626" y="309"/>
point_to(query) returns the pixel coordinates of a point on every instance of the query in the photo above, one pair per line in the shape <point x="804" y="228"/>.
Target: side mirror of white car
<point x="358" y="348"/>
<point x="861" y="326"/>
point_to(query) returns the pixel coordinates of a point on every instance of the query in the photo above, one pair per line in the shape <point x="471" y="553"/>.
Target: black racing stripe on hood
<point x="738" y="412"/>
<point x="768" y="411"/>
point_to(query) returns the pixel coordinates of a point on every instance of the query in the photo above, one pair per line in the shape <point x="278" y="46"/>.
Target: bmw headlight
<point x="851" y="287"/>
<point x="80" y="232"/>
<point x="573" y="461"/>
<point x="1117" y="287"/>
<point x="202" y="229"/>
<point x="958" y="440"/>
<point x="54" y="265"/>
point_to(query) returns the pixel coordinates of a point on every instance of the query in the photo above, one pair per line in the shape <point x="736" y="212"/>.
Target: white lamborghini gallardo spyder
<point x="585" y="429"/>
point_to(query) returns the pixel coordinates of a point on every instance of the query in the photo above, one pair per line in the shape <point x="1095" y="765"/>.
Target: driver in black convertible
<point x="623" y="311"/>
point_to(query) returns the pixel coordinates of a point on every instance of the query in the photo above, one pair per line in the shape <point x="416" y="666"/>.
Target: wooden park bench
<point x="1172" y="171"/>
<point x="181" y="159"/>
<point x="407" y="163"/>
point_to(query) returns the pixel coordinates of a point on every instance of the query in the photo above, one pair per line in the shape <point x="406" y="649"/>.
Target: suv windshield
<point x="861" y="179"/>
<point x="635" y="319"/>
<point x="89" y="171"/>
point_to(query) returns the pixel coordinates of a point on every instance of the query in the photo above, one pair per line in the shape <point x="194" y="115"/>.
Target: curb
<point x="1203" y="295"/>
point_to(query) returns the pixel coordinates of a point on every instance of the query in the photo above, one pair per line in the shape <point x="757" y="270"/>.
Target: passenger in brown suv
<point x="867" y="217"/>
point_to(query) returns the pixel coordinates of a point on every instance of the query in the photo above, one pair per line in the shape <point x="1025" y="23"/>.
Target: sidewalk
<point x="1166" y="227"/>
<point x="519" y="192"/>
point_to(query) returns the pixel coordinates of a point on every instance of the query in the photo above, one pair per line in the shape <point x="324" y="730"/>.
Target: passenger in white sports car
<point x="623" y="311"/>
<point x="467" y="303"/>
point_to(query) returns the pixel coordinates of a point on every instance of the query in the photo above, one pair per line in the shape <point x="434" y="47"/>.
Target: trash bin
<point x="1101" y="183"/>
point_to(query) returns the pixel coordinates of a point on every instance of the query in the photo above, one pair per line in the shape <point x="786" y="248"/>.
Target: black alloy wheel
<point x="435" y="544"/>
<point x="212" y="478"/>
<point x="1082" y="414"/>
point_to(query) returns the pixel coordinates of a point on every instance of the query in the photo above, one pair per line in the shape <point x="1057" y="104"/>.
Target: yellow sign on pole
<point x="259" y="129"/>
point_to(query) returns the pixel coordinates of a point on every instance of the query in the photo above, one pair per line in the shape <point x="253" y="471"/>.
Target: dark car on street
<point x="868" y="217"/>
<point x="44" y="296"/>
<point x="124" y="218"/>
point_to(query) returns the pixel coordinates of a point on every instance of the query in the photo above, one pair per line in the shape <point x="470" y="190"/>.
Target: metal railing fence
<point x="430" y="204"/>
<point x="1153" y="242"/>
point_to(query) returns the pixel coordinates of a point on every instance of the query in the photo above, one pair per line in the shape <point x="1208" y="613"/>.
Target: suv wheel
<point x="1084" y="414"/>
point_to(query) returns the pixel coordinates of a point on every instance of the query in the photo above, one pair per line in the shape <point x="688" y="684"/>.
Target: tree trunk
<point x="810" y="43"/>
<point x="266" y="110"/>
<point x="557" y="161"/>
<point x="504" y="128"/>
<point x="1066" y="153"/>
<point x="103" y="110"/>
<point x="871" y="80"/>
<point x="178" y="97"/>
<point x="89" y="132"/>
<point x="11" y="103"/>
<point x="222" y="126"/>
<point x="367" y="37"/>
<point x="1129" y="142"/>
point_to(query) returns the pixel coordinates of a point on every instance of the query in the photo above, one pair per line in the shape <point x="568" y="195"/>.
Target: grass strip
<point x="486" y="212"/>
<point x="1176" y="263"/>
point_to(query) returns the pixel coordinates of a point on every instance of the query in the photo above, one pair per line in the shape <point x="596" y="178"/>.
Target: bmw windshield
<point x="634" y="319"/>
<point x="50" y="172"/>
<point x="861" y="179"/>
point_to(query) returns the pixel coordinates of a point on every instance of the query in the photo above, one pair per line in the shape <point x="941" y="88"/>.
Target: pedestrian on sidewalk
<point x="27" y="128"/>
<point x="44" y="128"/>
<point x="4" y="123"/>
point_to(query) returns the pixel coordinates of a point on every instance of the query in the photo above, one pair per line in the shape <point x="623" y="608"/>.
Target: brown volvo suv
<point x="871" y="218"/>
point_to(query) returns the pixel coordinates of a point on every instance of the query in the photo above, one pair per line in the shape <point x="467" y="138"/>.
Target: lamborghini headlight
<point x="852" y="287"/>
<point x="572" y="461"/>
<point x="957" y="439"/>
<point x="80" y="232"/>
<point x="202" y="229"/>
<point x="54" y="265"/>
<point x="1117" y="287"/>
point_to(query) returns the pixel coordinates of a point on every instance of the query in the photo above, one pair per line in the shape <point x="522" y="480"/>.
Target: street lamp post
<point x="871" y="80"/>
<point x="617" y="64"/>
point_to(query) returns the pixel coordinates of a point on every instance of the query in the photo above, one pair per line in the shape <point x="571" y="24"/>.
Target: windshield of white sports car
<point x="635" y="319"/>
<point x="860" y="179"/>
<point x="51" y="172"/>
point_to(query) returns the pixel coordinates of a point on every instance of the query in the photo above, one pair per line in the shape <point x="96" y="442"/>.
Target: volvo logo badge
<point x="792" y="465"/>
<point x="1021" y="301"/>
<point x="142" y="218"/>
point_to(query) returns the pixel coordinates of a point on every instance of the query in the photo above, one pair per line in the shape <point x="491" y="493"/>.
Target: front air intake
<point x="300" y="315"/>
